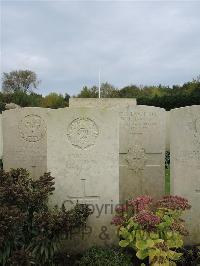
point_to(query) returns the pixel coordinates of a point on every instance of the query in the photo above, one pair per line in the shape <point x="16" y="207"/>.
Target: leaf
<point x="144" y="244"/>
<point x="169" y="234"/>
<point x="123" y="243"/>
<point x="124" y="232"/>
<point x="142" y="254"/>
<point x="152" y="253"/>
<point x="174" y="255"/>
<point x="154" y="235"/>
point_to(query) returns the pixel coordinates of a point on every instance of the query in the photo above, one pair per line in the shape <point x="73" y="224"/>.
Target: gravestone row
<point x="105" y="151"/>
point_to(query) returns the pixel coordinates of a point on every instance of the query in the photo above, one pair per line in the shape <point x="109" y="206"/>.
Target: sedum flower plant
<point x="154" y="229"/>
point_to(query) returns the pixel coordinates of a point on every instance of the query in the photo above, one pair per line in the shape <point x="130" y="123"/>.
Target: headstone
<point x="168" y="131"/>
<point x="185" y="163"/>
<point x="124" y="107"/>
<point x="25" y="140"/>
<point x="143" y="166"/>
<point x="1" y="138"/>
<point x="83" y="156"/>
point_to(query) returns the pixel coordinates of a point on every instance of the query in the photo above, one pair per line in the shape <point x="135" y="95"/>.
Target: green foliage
<point x="154" y="231"/>
<point x="54" y="100"/>
<point x="29" y="230"/>
<point x="160" y="96"/>
<point x="20" y="80"/>
<point x="97" y="256"/>
<point x="191" y="256"/>
<point x="18" y="88"/>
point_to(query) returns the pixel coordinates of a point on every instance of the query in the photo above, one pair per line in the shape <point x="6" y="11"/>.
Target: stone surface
<point x="123" y="105"/>
<point x="25" y="142"/>
<point x="10" y="106"/>
<point x="185" y="163"/>
<point x="142" y="168"/>
<point x="1" y="138"/>
<point x="168" y="131"/>
<point x="83" y="156"/>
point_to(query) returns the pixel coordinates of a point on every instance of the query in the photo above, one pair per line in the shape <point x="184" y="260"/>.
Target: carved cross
<point x="84" y="197"/>
<point x="137" y="158"/>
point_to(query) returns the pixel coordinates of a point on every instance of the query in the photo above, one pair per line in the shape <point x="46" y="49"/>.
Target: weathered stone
<point x="83" y="156"/>
<point x="122" y="105"/>
<point x="167" y="131"/>
<point x="24" y="137"/>
<point x="185" y="163"/>
<point x="142" y="168"/>
<point x="10" y="106"/>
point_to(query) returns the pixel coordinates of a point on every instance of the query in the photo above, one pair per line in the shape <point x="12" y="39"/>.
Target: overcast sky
<point x="66" y="42"/>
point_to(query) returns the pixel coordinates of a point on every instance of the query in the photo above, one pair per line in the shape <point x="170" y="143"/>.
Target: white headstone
<point x="168" y="131"/>
<point x="25" y="142"/>
<point x="143" y="166"/>
<point x="185" y="163"/>
<point x="83" y="156"/>
<point x="123" y="106"/>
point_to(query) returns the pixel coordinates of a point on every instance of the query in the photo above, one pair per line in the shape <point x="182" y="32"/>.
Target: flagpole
<point x="99" y="85"/>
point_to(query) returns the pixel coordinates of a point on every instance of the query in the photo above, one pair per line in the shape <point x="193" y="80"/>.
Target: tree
<point x="54" y="100"/>
<point x="19" y="80"/>
<point x="88" y="92"/>
<point x="109" y="91"/>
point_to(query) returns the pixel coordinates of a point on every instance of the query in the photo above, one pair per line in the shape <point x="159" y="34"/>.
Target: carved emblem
<point x="136" y="158"/>
<point x="82" y="133"/>
<point x="32" y="128"/>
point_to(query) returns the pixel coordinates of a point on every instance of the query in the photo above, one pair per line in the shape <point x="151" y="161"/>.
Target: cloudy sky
<point x="131" y="42"/>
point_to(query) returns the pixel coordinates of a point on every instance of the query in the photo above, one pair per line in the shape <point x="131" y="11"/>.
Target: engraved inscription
<point x="143" y="120"/>
<point x="136" y="158"/>
<point x="32" y="128"/>
<point x="82" y="133"/>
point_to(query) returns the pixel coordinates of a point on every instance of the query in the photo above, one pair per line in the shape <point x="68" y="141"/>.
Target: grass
<point x="167" y="181"/>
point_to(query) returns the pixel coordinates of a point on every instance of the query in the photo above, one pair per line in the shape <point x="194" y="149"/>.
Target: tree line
<point x="19" y="87"/>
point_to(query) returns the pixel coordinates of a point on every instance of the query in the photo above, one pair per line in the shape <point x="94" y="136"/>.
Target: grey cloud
<point x="67" y="43"/>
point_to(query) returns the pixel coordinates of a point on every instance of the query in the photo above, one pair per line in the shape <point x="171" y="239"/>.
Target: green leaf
<point x="173" y="255"/>
<point x="123" y="243"/>
<point x="142" y="254"/>
<point x="124" y="232"/>
<point x="144" y="244"/>
<point x="154" y="235"/>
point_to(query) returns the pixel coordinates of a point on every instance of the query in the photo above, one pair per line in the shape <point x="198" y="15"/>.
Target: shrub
<point x="191" y="256"/>
<point x="153" y="229"/>
<point x="97" y="256"/>
<point x="29" y="230"/>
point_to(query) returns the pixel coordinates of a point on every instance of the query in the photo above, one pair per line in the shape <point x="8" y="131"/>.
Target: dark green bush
<point x="191" y="256"/>
<point x="97" y="256"/>
<point x="29" y="230"/>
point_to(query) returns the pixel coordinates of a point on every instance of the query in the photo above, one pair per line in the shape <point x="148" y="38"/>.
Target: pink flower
<point x="117" y="220"/>
<point x="140" y="203"/>
<point x="121" y="208"/>
<point x="174" y="203"/>
<point x="147" y="220"/>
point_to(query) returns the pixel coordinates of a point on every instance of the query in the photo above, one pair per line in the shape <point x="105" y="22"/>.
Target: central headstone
<point x="83" y="156"/>
<point x="124" y="108"/>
